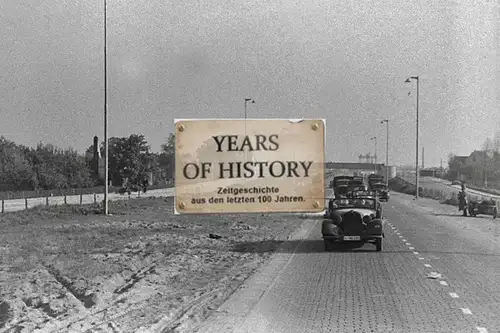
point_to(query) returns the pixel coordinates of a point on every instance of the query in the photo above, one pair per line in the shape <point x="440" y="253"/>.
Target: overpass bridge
<point x="368" y="167"/>
<point x="347" y="168"/>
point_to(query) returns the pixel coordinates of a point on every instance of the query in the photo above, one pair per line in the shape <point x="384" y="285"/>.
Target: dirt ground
<point x="144" y="269"/>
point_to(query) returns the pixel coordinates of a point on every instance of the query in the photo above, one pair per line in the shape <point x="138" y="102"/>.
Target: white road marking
<point x="400" y="236"/>
<point x="415" y="252"/>
<point x="482" y="330"/>
<point x="404" y="240"/>
<point x="408" y="244"/>
<point x="443" y="283"/>
<point x="454" y="295"/>
<point x="411" y="248"/>
<point x="427" y="265"/>
<point x="421" y="258"/>
<point x="466" y="311"/>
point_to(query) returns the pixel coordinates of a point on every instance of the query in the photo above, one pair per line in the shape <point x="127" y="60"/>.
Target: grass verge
<point x="71" y="269"/>
<point x="400" y="185"/>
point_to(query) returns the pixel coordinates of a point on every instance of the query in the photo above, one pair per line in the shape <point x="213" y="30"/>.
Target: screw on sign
<point x="229" y="166"/>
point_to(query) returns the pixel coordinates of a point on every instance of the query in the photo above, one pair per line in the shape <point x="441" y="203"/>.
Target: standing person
<point x="462" y="200"/>
<point x="145" y="184"/>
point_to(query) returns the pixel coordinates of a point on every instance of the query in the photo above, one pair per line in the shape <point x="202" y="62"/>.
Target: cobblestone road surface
<point x="304" y="289"/>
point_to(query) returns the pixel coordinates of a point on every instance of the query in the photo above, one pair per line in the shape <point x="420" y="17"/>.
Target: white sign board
<point x="249" y="166"/>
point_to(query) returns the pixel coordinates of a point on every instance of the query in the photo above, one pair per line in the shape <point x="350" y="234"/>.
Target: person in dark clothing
<point x="462" y="200"/>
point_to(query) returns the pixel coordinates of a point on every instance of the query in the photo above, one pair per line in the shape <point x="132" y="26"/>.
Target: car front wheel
<point x="378" y="244"/>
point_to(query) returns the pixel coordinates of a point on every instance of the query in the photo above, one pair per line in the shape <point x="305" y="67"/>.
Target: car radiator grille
<point x="352" y="223"/>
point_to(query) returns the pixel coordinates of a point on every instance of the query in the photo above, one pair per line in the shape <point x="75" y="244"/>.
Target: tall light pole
<point x="408" y="80"/>
<point x="246" y="101"/>
<point x="106" y="176"/>
<point x="386" y="152"/>
<point x="375" y="139"/>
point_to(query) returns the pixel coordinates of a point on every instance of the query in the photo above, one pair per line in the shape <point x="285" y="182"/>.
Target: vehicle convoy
<point x="381" y="190"/>
<point x="357" y="219"/>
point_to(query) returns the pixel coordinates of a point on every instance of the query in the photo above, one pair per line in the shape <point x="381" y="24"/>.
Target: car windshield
<point x="354" y="202"/>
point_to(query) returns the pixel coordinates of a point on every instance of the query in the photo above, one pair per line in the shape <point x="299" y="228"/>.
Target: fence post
<point x="65" y="200"/>
<point x="81" y="198"/>
<point x="46" y="201"/>
<point x="3" y="206"/>
<point x="95" y="198"/>
<point x="26" y="202"/>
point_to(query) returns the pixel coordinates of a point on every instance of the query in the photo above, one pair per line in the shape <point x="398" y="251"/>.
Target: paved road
<point x="304" y="289"/>
<point x="20" y="204"/>
<point x="445" y="185"/>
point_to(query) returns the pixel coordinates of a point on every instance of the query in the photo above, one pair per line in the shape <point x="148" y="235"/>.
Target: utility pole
<point x="423" y="167"/>
<point x="375" y="157"/>
<point x="408" y="80"/>
<point x="106" y="159"/>
<point x="386" y="153"/>
<point x="246" y="101"/>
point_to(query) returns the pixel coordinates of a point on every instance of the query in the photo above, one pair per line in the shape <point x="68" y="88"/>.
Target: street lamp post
<point x="386" y="152"/>
<point x="375" y="139"/>
<point x="408" y="80"/>
<point x="106" y="176"/>
<point x="246" y="101"/>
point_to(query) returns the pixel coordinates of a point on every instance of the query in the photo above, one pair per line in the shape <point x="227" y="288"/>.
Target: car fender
<point x="375" y="226"/>
<point x="328" y="227"/>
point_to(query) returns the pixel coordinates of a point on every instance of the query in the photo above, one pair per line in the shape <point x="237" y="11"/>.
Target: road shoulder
<point x="233" y="312"/>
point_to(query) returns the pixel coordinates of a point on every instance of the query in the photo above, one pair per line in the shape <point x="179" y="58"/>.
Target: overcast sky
<point x="345" y="61"/>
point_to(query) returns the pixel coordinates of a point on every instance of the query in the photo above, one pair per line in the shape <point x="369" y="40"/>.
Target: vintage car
<point x="484" y="207"/>
<point x="363" y="193"/>
<point x="357" y="219"/>
<point x="357" y="182"/>
<point x="382" y="191"/>
<point x="341" y="190"/>
<point x="341" y="180"/>
<point x="355" y="188"/>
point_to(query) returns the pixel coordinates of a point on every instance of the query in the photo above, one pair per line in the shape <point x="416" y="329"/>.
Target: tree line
<point x="47" y="167"/>
<point x="485" y="165"/>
